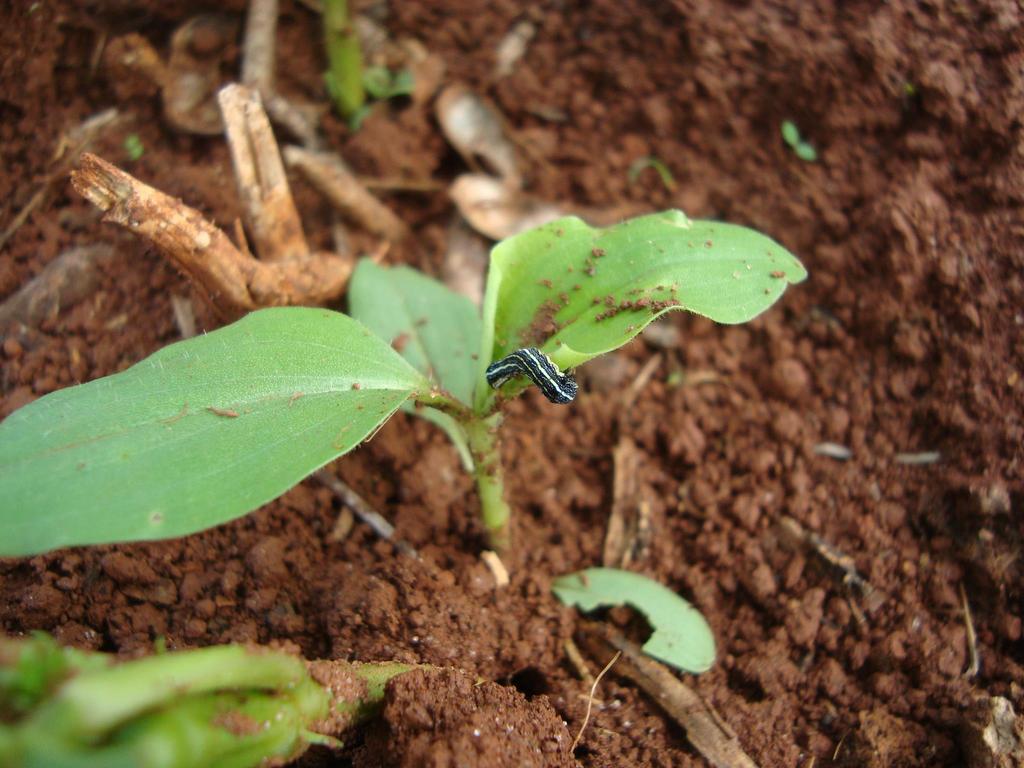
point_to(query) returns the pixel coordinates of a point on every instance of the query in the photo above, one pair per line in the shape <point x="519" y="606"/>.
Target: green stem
<point x="344" y="58"/>
<point x="94" y="702"/>
<point x="229" y="706"/>
<point x="490" y="483"/>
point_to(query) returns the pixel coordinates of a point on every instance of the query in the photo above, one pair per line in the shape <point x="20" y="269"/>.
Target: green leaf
<point x="381" y="83"/>
<point x="199" y="433"/>
<point x="434" y="328"/>
<point x="681" y="635"/>
<point x="806" y="152"/>
<point x="790" y="133"/>
<point x="578" y="292"/>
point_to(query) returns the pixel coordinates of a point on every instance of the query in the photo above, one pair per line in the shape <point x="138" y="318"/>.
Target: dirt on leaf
<point x="903" y="349"/>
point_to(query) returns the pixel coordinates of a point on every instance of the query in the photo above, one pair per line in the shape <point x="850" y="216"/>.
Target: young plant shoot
<point x="226" y="705"/>
<point x="208" y="429"/>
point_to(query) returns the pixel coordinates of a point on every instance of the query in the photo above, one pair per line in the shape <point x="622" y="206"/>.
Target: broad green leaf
<point x="431" y="326"/>
<point x="681" y="635"/>
<point x="577" y="292"/>
<point x="199" y="433"/>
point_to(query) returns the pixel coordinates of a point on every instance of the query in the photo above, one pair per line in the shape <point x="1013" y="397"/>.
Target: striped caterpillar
<point x="556" y="386"/>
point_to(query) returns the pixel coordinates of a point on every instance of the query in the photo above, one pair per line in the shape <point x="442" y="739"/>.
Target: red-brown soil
<point x="906" y="338"/>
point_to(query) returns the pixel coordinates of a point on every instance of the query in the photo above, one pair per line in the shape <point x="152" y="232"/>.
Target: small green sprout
<point x="133" y="147"/>
<point x="681" y="635"/>
<point x="642" y="163"/>
<point x="382" y="83"/>
<point x="208" y="429"/>
<point x="802" y="149"/>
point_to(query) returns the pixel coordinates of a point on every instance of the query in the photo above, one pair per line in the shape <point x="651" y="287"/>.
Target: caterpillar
<point x="556" y="386"/>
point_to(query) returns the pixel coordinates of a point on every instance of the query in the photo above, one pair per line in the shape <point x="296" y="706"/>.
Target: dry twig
<point x="707" y="732"/>
<point x="233" y="282"/>
<point x="972" y="638"/>
<point x="377" y="522"/>
<point x="328" y="173"/>
<point x="258" y="47"/>
<point x="623" y="542"/>
<point x="262" y="184"/>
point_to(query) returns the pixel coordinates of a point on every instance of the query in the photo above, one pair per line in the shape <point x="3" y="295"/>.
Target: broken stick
<point x="232" y="282"/>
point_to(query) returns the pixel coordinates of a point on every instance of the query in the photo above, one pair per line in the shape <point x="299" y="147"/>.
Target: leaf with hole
<point x="576" y="291"/>
<point x="681" y="634"/>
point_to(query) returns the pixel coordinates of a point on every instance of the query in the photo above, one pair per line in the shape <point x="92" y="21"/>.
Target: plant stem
<point x="344" y="58"/>
<point x="490" y="483"/>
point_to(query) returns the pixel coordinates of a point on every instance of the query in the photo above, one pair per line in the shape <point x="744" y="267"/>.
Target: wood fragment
<point x="972" y="638"/>
<point x="343" y="525"/>
<point x="919" y="458"/>
<point x="68" y="278"/>
<point x="833" y="451"/>
<point x="184" y="315"/>
<point x="258" y="46"/>
<point x="331" y="177"/>
<point x="718" y="745"/>
<point x="232" y="282"/>
<point x="496" y="567"/>
<point x="572" y="652"/>
<point x="620" y="540"/>
<point x="193" y="244"/>
<point x="258" y="64"/>
<point x="367" y="514"/>
<point x="300" y="120"/>
<point x="262" y="183"/>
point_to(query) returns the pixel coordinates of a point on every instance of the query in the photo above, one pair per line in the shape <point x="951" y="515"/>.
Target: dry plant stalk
<point x="232" y="282"/>
<point x="705" y="730"/>
<point x="270" y="211"/>
<point x="620" y="539"/>
<point x="329" y="175"/>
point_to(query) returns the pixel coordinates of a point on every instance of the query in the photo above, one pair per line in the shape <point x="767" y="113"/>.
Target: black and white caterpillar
<point x="556" y="386"/>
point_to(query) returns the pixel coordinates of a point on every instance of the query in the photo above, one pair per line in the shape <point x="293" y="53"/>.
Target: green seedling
<point x="221" y="706"/>
<point x="134" y="147"/>
<point x="382" y="83"/>
<point x="208" y="429"/>
<point x="802" y="149"/>
<point x="681" y="635"/>
<point x="639" y="165"/>
<point x="344" y="75"/>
